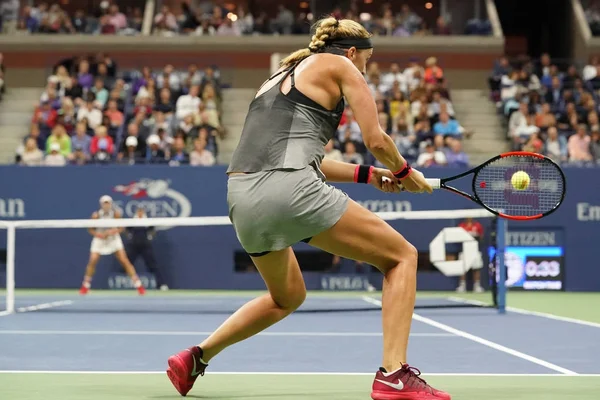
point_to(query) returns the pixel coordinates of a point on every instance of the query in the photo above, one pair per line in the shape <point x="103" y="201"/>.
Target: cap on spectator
<point x="103" y="144"/>
<point x="131" y="141"/>
<point x="105" y="199"/>
<point x="55" y="147"/>
<point x="153" y="139"/>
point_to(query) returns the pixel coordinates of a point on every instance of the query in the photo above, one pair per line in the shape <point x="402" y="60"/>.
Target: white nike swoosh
<point x="397" y="386"/>
<point x="195" y="372"/>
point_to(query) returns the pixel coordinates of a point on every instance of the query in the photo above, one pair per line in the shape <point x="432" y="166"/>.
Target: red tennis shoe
<point x="184" y="368"/>
<point x="404" y="384"/>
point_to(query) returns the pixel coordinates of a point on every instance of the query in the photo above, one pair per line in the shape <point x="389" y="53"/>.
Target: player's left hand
<point x="385" y="185"/>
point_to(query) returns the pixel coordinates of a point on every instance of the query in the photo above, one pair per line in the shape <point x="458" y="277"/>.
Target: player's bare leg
<point x="130" y="270"/>
<point x="281" y="273"/>
<point x="90" y="270"/>
<point x="361" y="235"/>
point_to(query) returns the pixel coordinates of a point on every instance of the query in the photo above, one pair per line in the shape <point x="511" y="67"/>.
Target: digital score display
<point x="533" y="268"/>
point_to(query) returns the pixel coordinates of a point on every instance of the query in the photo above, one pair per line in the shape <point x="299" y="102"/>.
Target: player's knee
<point x="405" y="257"/>
<point x="292" y="300"/>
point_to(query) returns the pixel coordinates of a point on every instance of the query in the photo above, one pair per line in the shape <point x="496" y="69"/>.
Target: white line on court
<point x="44" y="306"/>
<point x="482" y="341"/>
<point x="295" y="374"/>
<point x="4" y="313"/>
<point x="532" y="313"/>
<point x="174" y="333"/>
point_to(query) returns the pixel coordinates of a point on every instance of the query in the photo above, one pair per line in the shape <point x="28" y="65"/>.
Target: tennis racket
<point x="518" y="185"/>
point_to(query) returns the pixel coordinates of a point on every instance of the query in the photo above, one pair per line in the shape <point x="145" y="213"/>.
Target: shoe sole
<point x="378" y="395"/>
<point x="175" y="371"/>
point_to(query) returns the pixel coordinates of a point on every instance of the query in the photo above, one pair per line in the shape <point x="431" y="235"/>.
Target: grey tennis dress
<point x="283" y="198"/>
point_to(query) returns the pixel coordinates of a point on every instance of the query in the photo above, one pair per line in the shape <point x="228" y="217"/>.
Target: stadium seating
<point x="550" y="107"/>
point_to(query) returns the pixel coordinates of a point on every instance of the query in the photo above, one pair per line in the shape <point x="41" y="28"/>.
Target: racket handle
<point x="435" y="183"/>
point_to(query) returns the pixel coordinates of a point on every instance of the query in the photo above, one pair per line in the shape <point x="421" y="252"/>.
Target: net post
<point x="10" y="267"/>
<point x="500" y="248"/>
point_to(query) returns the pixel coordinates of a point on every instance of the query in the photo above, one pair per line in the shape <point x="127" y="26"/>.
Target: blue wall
<point x="203" y="257"/>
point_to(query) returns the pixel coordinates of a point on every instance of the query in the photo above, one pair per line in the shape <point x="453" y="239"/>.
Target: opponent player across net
<point x="107" y="242"/>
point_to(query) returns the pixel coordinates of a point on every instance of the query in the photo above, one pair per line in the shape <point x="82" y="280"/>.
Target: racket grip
<point x="435" y="183"/>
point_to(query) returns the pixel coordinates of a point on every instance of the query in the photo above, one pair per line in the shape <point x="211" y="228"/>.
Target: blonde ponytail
<point x="327" y="29"/>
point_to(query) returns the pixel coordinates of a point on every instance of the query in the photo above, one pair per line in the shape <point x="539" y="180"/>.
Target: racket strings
<point x="520" y="185"/>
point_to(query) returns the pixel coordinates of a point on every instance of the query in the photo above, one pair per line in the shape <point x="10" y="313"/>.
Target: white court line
<point x="482" y="341"/>
<point x="44" y="306"/>
<point x="174" y="333"/>
<point x="296" y="374"/>
<point x="4" y="313"/>
<point x="533" y="313"/>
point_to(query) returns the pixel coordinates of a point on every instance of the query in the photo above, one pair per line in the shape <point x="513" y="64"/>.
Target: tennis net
<point x="202" y="260"/>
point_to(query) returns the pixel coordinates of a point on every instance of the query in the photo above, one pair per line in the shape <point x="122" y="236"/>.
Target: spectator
<point x="45" y="117"/>
<point x="545" y="118"/>
<point x="595" y="146"/>
<point x="131" y="154"/>
<point x="9" y="14"/>
<point x="227" y="28"/>
<point x="34" y="132"/>
<point x="455" y="156"/>
<point x="114" y="115"/>
<point x="79" y="157"/>
<point x="154" y="155"/>
<point x="84" y="77"/>
<point x="55" y="158"/>
<point x="517" y="120"/>
<point x="350" y="155"/>
<point x="116" y="18"/>
<point x="165" y="104"/>
<point x="200" y="156"/>
<point x="168" y="79"/>
<point x="441" y="28"/>
<point x="74" y="91"/>
<point x="136" y="147"/>
<point x="556" y="146"/>
<point x="579" y="145"/>
<point x="533" y="143"/>
<point x="178" y="154"/>
<point x="101" y="141"/>
<point x="349" y="130"/>
<point x="59" y="136"/>
<point x="447" y="126"/>
<point x="100" y="92"/>
<point x="188" y="104"/>
<point x="332" y="153"/>
<point x="165" y="21"/>
<point x="284" y="21"/>
<point x="90" y="113"/>
<point x="431" y="157"/>
<point x="80" y="22"/>
<point x="81" y="139"/>
<point x="31" y="155"/>
<point x="433" y="73"/>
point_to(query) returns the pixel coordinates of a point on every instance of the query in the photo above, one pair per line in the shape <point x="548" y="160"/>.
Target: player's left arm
<point x="342" y="172"/>
<point x="117" y="231"/>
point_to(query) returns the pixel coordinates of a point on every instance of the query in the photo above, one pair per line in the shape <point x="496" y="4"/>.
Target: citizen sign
<point x="531" y="239"/>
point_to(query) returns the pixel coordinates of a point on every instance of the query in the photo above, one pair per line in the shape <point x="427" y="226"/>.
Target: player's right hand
<point x="416" y="183"/>
<point x="101" y="235"/>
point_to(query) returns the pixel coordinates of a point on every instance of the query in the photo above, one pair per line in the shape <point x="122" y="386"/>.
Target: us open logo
<point x="156" y="197"/>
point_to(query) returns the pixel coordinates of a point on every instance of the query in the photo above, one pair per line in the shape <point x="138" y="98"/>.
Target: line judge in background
<point x="139" y="243"/>
<point x="475" y="229"/>
<point x="108" y="241"/>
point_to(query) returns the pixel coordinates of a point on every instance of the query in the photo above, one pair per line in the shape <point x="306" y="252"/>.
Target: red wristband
<point x="362" y="173"/>
<point x="404" y="172"/>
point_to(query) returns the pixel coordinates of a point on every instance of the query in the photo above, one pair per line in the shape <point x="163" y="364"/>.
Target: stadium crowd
<point x="53" y="19"/>
<point x="550" y="108"/>
<point x="91" y="114"/>
<point x="209" y="18"/>
<point x="415" y="110"/>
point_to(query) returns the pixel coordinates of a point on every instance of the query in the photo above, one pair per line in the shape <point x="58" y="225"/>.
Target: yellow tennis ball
<point x="520" y="180"/>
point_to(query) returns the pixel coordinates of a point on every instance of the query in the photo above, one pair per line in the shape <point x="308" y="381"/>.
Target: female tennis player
<point x="278" y="196"/>
<point x="105" y="242"/>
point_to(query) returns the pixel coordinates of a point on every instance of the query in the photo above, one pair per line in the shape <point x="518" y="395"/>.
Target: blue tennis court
<point x="111" y="335"/>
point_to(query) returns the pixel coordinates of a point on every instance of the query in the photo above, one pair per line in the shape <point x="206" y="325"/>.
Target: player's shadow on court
<point x="251" y="396"/>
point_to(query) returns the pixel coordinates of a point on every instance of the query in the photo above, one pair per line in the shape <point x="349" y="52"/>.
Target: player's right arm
<point x="380" y="144"/>
<point x="93" y="231"/>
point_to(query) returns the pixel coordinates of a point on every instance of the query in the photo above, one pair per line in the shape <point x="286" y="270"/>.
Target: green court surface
<point x="298" y="387"/>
